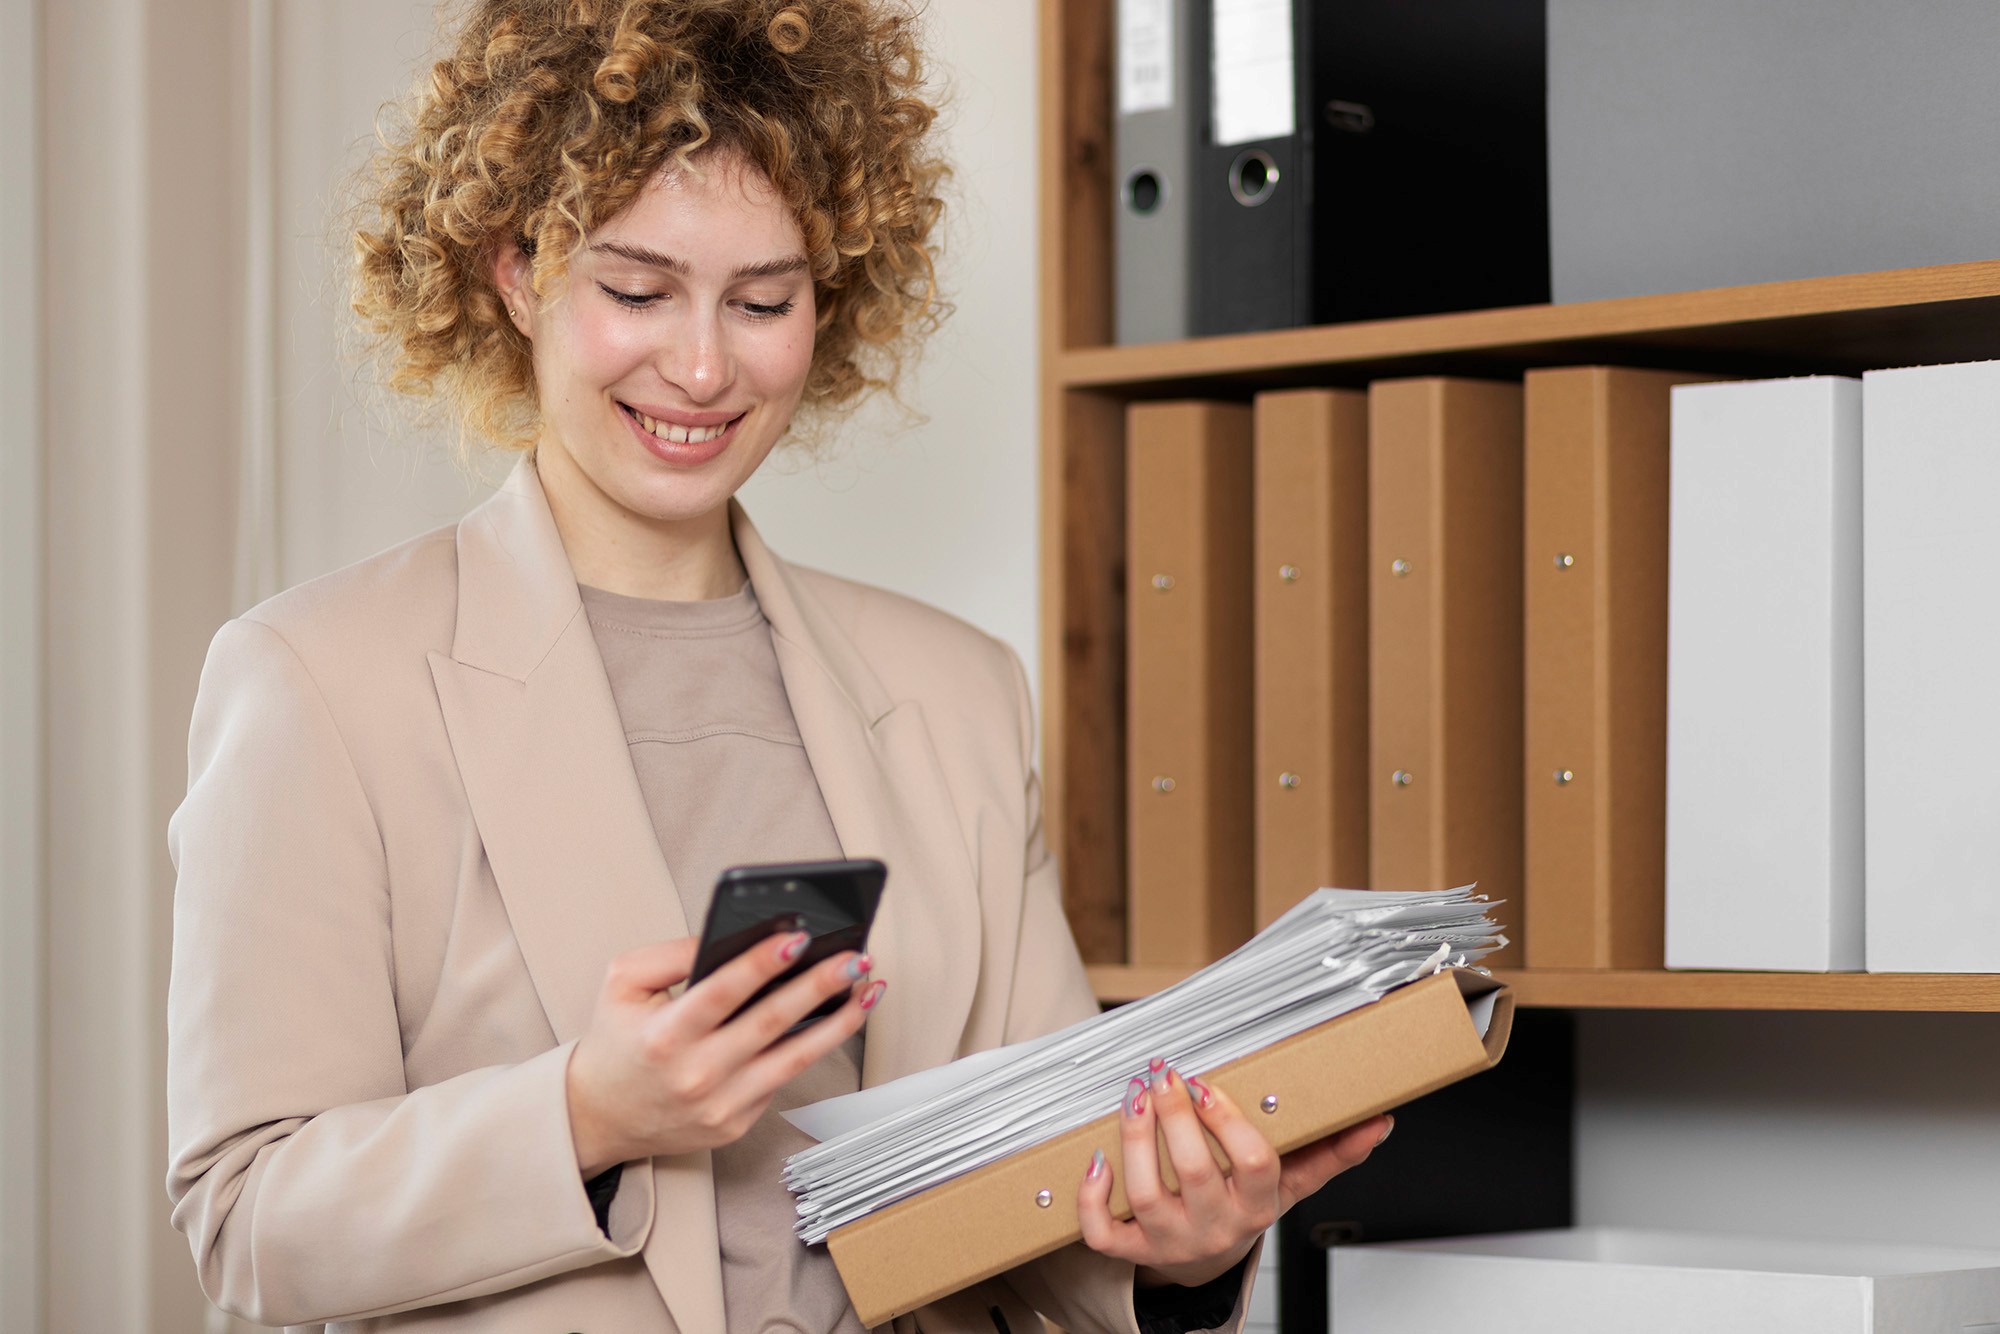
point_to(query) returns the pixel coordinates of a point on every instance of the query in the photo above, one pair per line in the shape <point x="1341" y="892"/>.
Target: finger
<point x="1201" y="1187"/>
<point x="1253" y="1163"/>
<point x="744" y="1035"/>
<point x="708" y="1003"/>
<point x="1305" y="1170"/>
<point x="640" y="974"/>
<point x="1101" y="1232"/>
<point x="779" y="1063"/>
<point x="1139" y="1153"/>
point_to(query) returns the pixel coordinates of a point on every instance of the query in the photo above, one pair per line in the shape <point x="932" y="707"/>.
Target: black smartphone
<point x="833" y="901"/>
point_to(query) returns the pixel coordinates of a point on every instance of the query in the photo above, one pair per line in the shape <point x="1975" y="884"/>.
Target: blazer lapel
<point x="887" y="797"/>
<point x="565" y="827"/>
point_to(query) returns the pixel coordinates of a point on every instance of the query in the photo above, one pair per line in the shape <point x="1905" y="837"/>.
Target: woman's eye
<point x="769" y="312"/>
<point x="636" y="299"/>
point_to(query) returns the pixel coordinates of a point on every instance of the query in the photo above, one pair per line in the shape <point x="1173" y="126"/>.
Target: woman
<point x="452" y="812"/>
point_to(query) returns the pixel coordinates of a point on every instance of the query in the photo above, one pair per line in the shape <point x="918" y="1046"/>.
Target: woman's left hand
<point x="1204" y="1230"/>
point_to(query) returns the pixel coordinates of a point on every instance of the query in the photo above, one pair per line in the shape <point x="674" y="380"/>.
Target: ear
<point x="513" y="278"/>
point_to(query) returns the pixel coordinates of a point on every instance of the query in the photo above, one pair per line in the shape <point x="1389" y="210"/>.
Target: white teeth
<point x="680" y="435"/>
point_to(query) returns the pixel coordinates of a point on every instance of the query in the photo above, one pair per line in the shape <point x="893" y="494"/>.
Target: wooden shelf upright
<point x="1836" y="325"/>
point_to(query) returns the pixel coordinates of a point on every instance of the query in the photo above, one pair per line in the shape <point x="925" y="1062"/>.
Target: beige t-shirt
<point x="727" y="782"/>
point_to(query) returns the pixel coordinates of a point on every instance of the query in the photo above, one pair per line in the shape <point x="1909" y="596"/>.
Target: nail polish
<point x="858" y="966"/>
<point x="1096" y="1164"/>
<point x="1135" y="1096"/>
<point x="1170" y="1077"/>
<point x="873" y="994"/>
<point x="1156" y="1064"/>
<point x="1200" y="1090"/>
<point x="790" y="950"/>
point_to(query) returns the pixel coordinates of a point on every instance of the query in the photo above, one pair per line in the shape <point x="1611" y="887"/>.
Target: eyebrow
<point x="638" y="254"/>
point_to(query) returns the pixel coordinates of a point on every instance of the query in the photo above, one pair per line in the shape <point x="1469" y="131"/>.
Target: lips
<point x="676" y="434"/>
<point x="677" y="445"/>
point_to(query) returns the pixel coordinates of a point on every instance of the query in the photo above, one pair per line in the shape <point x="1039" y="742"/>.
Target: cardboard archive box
<point x="1582" y="1280"/>
<point x="1413" y="1041"/>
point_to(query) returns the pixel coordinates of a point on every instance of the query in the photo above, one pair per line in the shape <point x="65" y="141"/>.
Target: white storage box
<point x="1931" y="563"/>
<point x="1764" y="660"/>
<point x="1589" y="1280"/>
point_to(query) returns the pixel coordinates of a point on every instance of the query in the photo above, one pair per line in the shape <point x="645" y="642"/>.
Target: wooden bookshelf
<point x="1835" y="325"/>
<point x="1662" y="990"/>
<point x="1822" y="326"/>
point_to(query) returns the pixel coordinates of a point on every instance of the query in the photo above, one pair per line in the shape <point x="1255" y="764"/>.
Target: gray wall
<point x="1882" y="1127"/>
<point x="1701" y="143"/>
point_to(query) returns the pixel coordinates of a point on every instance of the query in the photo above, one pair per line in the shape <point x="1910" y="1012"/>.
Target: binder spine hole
<point x="1143" y="192"/>
<point x="1252" y="177"/>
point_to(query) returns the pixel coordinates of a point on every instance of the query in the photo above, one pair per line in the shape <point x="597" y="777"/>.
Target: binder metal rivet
<point x="1044" y="1198"/>
<point x="1564" y="561"/>
<point x="1163" y="784"/>
<point x="1564" y="777"/>
<point x="1289" y="573"/>
<point x="1270" y="1103"/>
<point x="1402" y="778"/>
<point x="1163" y="582"/>
<point x="1399" y="568"/>
<point x="1288" y="780"/>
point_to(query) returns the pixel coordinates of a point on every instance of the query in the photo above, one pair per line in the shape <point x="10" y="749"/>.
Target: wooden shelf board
<point x="1837" y="325"/>
<point x="1662" y="990"/>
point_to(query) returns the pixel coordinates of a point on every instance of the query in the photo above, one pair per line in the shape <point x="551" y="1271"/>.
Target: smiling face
<point x="670" y="364"/>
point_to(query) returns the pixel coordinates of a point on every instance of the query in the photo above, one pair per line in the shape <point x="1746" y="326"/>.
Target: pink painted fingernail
<point x="1096" y="1164"/>
<point x="858" y="966"/>
<point x="790" y="950"/>
<point x="1201" y="1090"/>
<point x="1156" y="1064"/>
<point x="873" y="994"/>
<point x="1170" y="1076"/>
<point x="1135" y="1096"/>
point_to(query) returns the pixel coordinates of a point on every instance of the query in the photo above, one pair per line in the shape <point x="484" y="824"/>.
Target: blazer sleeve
<point x="311" y="1182"/>
<point x="1077" y="1288"/>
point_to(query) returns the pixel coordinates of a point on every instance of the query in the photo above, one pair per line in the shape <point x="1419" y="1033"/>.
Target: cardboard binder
<point x="1764" y="660"/>
<point x="1595" y="570"/>
<point x="1414" y="1040"/>
<point x="1310" y="573"/>
<point x="1152" y="152"/>
<point x="1932" y="561"/>
<point x="1444" y="665"/>
<point x="1188" y="719"/>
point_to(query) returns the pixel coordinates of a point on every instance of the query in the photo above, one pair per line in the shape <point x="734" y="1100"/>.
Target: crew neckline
<point x="706" y="616"/>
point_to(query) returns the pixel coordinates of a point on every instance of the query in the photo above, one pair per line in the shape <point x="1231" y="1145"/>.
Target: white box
<point x="1764" y="759"/>
<point x="1931" y="552"/>
<point x="1591" y="1280"/>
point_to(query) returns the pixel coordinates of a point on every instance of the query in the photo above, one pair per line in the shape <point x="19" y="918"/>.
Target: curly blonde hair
<point x="550" y="116"/>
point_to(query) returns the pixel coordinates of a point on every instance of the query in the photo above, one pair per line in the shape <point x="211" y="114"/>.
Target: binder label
<point x="1145" y="55"/>
<point x="1251" y="62"/>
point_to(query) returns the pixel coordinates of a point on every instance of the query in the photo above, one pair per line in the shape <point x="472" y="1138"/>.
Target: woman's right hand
<point x="660" y="1074"/>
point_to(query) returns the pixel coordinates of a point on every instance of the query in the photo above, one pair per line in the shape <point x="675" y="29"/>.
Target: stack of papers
<point x="1335" y="952"/>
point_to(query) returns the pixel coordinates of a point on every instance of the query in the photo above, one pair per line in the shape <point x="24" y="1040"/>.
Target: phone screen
<point x="834" y="901"/>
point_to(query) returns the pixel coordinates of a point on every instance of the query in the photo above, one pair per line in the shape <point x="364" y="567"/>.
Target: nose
<point x="696" y="358"/>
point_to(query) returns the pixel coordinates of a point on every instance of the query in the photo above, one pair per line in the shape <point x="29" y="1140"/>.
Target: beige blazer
<point x="411" y="842"/>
